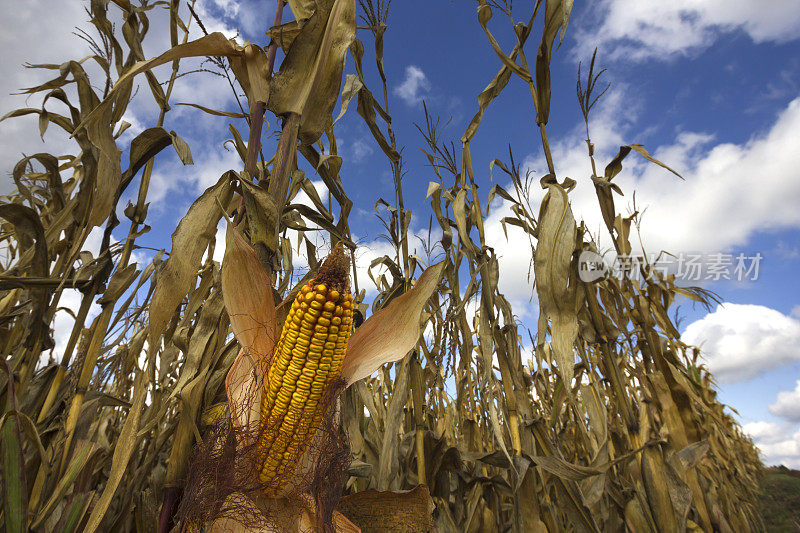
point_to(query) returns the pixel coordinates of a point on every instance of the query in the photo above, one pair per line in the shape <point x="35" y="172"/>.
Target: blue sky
<point x="711" y="87"/>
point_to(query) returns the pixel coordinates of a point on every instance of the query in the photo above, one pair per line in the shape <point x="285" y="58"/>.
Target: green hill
<point x="780" y="499"/>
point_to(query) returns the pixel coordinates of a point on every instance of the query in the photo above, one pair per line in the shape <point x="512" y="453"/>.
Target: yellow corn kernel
<point x="307" y="359"/>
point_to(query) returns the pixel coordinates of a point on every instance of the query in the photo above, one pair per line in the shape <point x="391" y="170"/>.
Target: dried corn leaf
<point x="189" y="240"/>
<point x="213" y="44"/>
<point x="392" y="332"/>
<point x="555" y="283"/>
<point x="308" y="81"/>
<point x="124" y="447"/>
<point x="556" y="18"/>
<point x="302" y="9"/>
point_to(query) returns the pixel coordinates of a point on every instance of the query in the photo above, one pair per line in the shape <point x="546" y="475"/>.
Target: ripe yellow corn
<point x="308" y="357"/>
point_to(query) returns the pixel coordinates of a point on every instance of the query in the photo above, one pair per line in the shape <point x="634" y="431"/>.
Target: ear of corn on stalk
<point x="308" y="358"/>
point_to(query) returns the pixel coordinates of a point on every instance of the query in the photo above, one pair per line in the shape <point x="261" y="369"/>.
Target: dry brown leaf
<point x="309" y="78"/>
<point x="189" y="240"/>
<point x="555" y="283"/>
<point x="392" y="332"/>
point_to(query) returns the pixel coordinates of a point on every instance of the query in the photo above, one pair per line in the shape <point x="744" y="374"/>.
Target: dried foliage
<point x="612" y="423"/>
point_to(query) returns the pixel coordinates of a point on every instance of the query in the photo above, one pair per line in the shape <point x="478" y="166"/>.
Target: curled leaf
<point x="392" y="332"/>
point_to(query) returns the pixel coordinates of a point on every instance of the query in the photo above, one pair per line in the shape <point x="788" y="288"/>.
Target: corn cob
<point x="308" y="358"/>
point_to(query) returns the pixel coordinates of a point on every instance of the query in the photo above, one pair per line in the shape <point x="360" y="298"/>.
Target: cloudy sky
<point x="711" y="87"/>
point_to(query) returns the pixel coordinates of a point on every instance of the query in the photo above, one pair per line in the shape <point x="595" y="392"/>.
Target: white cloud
<point x="730" y="190"/>
<point x="220" y="244"/>
<point x="94" y="240"/>
<point x="785" y="250"/>
<point x="360" y="149"/>
<point x="787" y="404"/>
<point x="303" y="198"/>
<point x="762" y="431"/>
<point x="513" y="250"/>
<point x="721" y="195"/>
<point x="414" y="84"/>
<point x="779" y="443"/>
<point x="18" y="23"/>
<point x="171" y="176"/>
<point x="21" y="135"/>
<point x="229" y="7"/>
<point x="641" y="29"/>
<point x="237" y="14"/>
<point x="367" y="253"/>
<point x="230" y="10"/>
<point x="136" y="127"/>
<point x="742" y="341"/>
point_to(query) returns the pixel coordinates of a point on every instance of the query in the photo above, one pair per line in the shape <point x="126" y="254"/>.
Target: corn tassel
<point x="308" y="358"/>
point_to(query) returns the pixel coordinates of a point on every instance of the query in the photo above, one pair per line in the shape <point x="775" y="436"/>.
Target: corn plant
<point x="242" y="396"/>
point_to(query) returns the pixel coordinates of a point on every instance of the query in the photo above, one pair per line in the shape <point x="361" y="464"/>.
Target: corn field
<point x="611" y="423"/>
